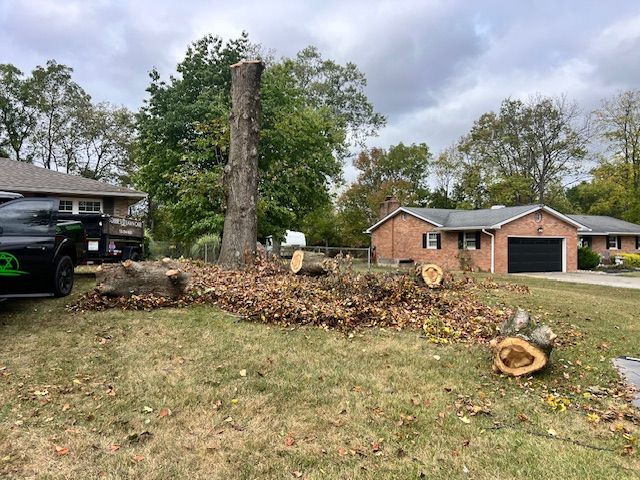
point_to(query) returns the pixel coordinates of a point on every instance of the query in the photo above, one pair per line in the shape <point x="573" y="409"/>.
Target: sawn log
<point x="128" y="278"/>
<point x="523" y="346"/>
<point x="311" y="264"/>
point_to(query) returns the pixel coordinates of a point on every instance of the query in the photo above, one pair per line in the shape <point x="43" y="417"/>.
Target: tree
<point x="528" y="147"/>
<point x="619" y="122"/>
<point x="402" y="171"/>
<point x="57" y="97"/>
<point x="18" y="113"/>
<point x="183" y="136"/>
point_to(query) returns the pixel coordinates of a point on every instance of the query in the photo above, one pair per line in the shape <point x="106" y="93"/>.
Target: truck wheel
<point x="135" y="257"/>
<point x="63" y="279"/>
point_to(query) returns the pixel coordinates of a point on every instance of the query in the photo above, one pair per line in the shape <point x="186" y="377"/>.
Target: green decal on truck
<point x="9" y="266"/>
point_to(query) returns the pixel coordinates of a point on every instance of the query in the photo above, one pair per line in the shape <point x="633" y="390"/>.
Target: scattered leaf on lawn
<point x="165" y="412"/>
<point x="290" y="440"/>
<point x="114" y="448"/>
<point x="138" y="458"/>
<point x="552" y="432"/>
<point x="464" y="419"/>
<point x="297" y="474"/>
<point x="146" y="409"/>
<point x="243" y="372"/>
<point x="61" y="450"/>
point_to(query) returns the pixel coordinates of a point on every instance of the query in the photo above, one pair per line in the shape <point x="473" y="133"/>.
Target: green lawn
<point x="257" y="401"/>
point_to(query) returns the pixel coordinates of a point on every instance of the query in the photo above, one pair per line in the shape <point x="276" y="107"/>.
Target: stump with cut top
<point x="430" y="274"/>
<point x="312" y="264"/>
<point x="523" y="346"/>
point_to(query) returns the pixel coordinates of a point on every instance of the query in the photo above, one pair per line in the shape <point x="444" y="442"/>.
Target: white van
<point x="292" y="240"/>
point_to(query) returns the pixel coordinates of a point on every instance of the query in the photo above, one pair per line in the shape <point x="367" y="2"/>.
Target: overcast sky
<point x="432" y="66"/>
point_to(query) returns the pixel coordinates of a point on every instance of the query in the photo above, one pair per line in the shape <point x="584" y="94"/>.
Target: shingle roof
<point x="450" y="219"/>
<point x="606" y="225"/>
<point x="25" y="177"/>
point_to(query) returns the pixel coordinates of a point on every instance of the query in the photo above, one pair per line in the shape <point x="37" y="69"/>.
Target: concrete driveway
<point x="592" y="278"/>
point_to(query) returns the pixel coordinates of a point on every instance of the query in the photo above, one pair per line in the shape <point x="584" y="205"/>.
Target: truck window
<point x="33" y="217"/>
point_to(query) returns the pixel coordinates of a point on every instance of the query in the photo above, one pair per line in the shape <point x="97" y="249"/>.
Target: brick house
<point x="608" y="236"/>
<point x="528" y="238"/>
<point x="76" y="194"/>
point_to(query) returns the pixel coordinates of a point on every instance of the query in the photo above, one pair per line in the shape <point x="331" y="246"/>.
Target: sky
<point x="433" y="67"/>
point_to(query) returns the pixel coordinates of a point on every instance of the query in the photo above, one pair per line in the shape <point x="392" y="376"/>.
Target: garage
<point x="535" y="254"/>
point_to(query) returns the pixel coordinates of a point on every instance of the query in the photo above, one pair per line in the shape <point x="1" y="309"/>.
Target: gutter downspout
<point x="493" y="249"/>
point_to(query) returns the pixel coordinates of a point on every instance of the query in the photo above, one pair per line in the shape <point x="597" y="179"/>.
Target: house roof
<point x="490" y="218"/>
<point x="24" y="177"/>
<point x="602" y="225"/>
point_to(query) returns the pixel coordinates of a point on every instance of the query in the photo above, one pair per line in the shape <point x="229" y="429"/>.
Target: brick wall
<point x="400" y="238"/>
<point x="599" y="245"/>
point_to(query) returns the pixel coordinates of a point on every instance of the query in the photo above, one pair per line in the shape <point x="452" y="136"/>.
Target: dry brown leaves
<point x="345" y="301"/>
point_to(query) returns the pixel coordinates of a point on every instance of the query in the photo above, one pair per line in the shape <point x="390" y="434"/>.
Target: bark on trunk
<point x="430" y="274"/>
<point x="241" y="173"/>
<point x="525" y="347"/>
<point x="311" y="264"/>
<point x="132" y="278"/>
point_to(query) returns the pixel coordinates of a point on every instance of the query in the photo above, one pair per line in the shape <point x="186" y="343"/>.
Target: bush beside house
<point x="587" y="259"/>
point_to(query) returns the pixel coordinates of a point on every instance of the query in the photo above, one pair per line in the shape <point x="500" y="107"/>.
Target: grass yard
<point x="196" y="393"/>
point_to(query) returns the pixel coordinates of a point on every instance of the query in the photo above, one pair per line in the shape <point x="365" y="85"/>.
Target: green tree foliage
<point x="18" y="112"/>
<point x="312" y="109"/>
<point x="520" y="154"/>
<point x="402" y="171"/>
<point x="48" y="119"/>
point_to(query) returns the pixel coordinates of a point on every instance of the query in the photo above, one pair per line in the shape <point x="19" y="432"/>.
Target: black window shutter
<point x="424" y="240"/>
<point x="637" y="242"/>
<point x="460" y="240"/>
<point x="619" y="243"/>
<point x="608" y="240"/>
<point x="589" y="242"/>
<point x="440" y="241"/>
<point x="478" y="235"/>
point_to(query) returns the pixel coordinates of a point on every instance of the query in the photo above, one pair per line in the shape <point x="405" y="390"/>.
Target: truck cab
<point x="38" y="253"/>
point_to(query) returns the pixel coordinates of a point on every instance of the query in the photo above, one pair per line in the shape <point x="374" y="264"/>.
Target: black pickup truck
<point x="38" y="252"/>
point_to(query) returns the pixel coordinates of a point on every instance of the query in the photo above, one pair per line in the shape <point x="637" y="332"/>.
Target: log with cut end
<point x="430" y="274"/>
<point x="311" y="264"/>
<point x="128" y="278"/>
<point x="524" y="347"/>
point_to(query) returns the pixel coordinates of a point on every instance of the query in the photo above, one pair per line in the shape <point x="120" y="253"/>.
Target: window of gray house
<point x="89" y="206"/>
<point x="66" y="206"/>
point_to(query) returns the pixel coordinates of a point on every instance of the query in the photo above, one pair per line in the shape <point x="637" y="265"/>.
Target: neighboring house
<point x="608" y="236"/>
<point x="528" y="238"/>
<point x="77" y="194"/>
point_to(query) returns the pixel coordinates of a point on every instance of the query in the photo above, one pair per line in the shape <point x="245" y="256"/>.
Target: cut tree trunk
<point x="239" y="236"/>
<point x="311" y="264"/>
<point x="132" y="278"/>
<point x="524" y="347"/>
<point x="430" y="274"/>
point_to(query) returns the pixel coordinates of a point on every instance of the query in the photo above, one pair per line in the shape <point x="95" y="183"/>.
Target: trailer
<point x="110" y="239"/>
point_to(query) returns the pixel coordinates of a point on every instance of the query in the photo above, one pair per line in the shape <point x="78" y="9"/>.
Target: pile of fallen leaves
<point x="345" y="300"/>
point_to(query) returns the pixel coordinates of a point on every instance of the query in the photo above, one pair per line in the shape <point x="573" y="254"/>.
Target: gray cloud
<point x="432" y="66"/>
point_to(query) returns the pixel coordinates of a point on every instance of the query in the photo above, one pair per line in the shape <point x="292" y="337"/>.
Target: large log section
<point x="132" y="278"/>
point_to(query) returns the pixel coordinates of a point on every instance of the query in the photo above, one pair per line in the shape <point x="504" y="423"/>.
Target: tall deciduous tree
<point x="18" y="111"/>
<point x="305" y="133"/>
<point x="619" y="122"/>
<point x="529" y="147"/>
<point x="402" y="171"/>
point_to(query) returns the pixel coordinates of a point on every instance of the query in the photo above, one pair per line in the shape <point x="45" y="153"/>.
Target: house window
<point x="431" y="240"/>
<point x="66" y="206"/>
<point x="613" y="242"/>
<point x="470" y="242"/>
<point x="585" y="242"/>
<point x="638" y="242"/>
<point x="89" y="206"/>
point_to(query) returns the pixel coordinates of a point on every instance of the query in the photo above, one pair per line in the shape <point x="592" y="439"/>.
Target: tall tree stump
<point x="524" y="347"/>
<point x="239" y="236"/>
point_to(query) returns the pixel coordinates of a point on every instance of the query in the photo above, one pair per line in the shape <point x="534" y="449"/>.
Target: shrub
<point x="631" y="260"/>
<point x="587" y="259"/>
<point x="210" y="244"/>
